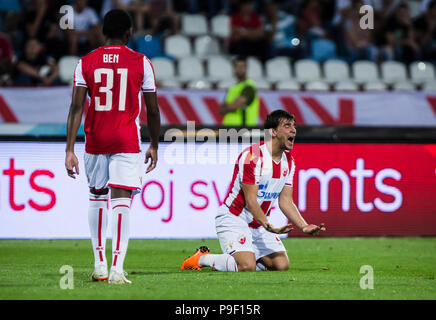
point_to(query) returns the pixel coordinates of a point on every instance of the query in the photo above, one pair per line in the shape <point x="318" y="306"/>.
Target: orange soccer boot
<point x="191" y="263"/>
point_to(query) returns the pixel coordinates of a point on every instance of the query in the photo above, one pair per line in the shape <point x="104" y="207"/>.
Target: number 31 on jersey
<point x="108" y="88"/>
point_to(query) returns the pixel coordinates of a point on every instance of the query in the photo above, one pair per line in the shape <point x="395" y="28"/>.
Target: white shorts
<point x="119" y="170"/>
<point x="235" y="235"/>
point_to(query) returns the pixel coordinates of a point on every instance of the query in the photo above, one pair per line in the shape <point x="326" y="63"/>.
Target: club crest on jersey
<point x="242" y="240"/>
<point x="285" y="172"/>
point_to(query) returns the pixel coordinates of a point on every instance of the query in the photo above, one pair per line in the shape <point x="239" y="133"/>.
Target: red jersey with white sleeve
<point x="256" y="166"/>
<point x="115" y="77"/>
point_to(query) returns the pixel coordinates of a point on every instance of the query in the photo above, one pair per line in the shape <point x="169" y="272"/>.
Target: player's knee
<point x="99" y="192"/>
<point x="281" y="265"/>
<point x="246" y="266"/>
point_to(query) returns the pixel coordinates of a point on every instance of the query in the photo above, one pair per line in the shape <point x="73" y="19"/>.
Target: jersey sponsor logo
<point x="266" y="195"/>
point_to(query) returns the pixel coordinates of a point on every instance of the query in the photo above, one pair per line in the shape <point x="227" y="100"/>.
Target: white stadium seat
<point x="194" y="24"/>
<point x="190" y="68"/>
<point x="336" y="70"/>
<point x="219" y="68"/>
<point x="421" y="72"/>
<point x="346" y="86"/>
<point x="67" y="65"/>
<point x="404" y="86"/>
<point x="199" y="84"/>
<point x="365" y="71"/>
<point x="163" y="68"/>
<point x="278" y="68"/>
<point x="317" y="85"/>
<point x="177" y="46"/>
<point x="307" y="70"/>
<point x="254" y="68"/>
<point x="170" y="83"/>
<point x="374" y="86"/>
<point x="393" y="71"/>
<point x="429" y="86"/>
<point x="262" y="84"/>
<point x="206" y="46"/>
<point x="220" y="25"/>
<point x="287" y="85"/>
<point x="226" y="83"/>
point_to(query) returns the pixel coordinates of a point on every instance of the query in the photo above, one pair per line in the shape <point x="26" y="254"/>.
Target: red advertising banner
<point x="367" y="189"/>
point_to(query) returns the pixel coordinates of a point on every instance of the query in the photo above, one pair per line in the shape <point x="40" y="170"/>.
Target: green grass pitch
<point x="321" y="268"/>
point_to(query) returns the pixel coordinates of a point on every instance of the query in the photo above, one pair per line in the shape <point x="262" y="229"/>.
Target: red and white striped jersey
<point x="115" y="77"/>
<point x="256" y="166"/>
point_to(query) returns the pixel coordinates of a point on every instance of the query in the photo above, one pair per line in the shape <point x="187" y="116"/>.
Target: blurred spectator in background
<point x="425" y="29"/>
<point x="36" y="68"/>
<point x="247" y="37"/>
<point x="241" y="104"/>
<point x="280" y="28"/>
<point x="317" y="42"/>
<point x="86" y="35"/>
<point x="358" y="41"/>
<point x="137" y="10"/>
<point x="6" y="60"/>
<point x="400" y="37"/>
<point x="150" y="43"/>
<point x="41" y="22"/>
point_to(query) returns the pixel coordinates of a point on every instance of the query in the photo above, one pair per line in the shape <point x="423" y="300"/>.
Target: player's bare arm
<point x="73" y="124"/>
<point x="153" y="122"/>
<point x="291" y="211"/>
<point x="250" y="194"/>
<point x="231" y="107"/>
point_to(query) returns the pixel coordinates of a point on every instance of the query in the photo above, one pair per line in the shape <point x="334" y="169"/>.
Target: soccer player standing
<point x="263" y="173"/>
<point x="114" y="77"/>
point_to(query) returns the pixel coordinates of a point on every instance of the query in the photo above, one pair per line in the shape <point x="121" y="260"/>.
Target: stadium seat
<point x="346" y="86"/>
<point x="227" y="83"/>
<point x="278" y="68"/>
<point x="365" y="71"/>
<point x="393" y="71"/>
<point x="429" y="86"/>
<point x="220" y="25"/>
<point x="307" y="70"/>
<point x="170" y="83"/>
<point x="287" y="85"/>
<point x="163" y="68"/>
<point x="219" y="68"/>
<point x="206" y="46"/>
<point x="199" y="84"/>
<point x="404" y="86"/>
<point x="254" y="68"/>
<point x="336" y="70"/>
<point x="190" y="68"/>
<point x="374" y="86"/>
<point x="177" y="46"/>
<point x="263" y="84"/>
<point x="421" y="72"/>
<point x="317" y="85"/>
<point x="194" y="24"/>
<point x="67" y="65"/>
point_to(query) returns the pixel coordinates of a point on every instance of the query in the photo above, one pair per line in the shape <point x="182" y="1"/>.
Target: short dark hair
<point x="115" y="23"/>
<point x="239" y="58"/>
<point x="273" y="120"/>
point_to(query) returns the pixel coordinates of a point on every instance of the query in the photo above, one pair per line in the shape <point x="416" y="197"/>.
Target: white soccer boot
<point x="100" y="273"/>
<point x="118" y="278"/>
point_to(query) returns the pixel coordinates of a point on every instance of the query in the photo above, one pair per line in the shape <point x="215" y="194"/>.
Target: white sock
<point x="97" y="220"/>
<point x="260" y="267"/>
<point x="120" y="231"/>
<point x="219" y="262"/>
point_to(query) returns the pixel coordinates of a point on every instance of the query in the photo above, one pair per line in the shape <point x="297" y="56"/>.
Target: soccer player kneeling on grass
<point x="263" y="173"/>
<point x="114" y="76"/>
